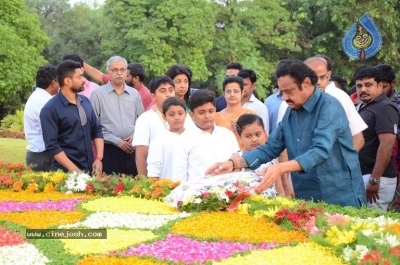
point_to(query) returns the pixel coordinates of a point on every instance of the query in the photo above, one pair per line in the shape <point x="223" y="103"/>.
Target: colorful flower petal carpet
<point x="59" y="218"/>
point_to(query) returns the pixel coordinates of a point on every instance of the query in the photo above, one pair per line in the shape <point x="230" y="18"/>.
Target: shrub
<point x="14" y="122"/>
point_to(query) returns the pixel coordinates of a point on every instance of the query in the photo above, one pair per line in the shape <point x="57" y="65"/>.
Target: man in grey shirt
<point x="117" y="106"/>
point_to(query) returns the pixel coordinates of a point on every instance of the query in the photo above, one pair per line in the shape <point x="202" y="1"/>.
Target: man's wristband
<point x="99" y="158"/>
<point x="233" y="164"/>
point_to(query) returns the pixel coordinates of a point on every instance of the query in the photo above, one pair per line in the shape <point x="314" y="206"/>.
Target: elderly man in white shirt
<point x="46" y="87"/>
<point x="249" y="101"/>
<point x="319" y="65"/>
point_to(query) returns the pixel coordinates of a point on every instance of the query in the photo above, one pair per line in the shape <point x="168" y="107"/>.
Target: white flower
<point x="388" y="239"/>
<point x="197" y="201"/>
<point x="77" y="182"/>
<point x="26" y="254"/>
<point x="357" y="253"/>
<point x="126" y="220"/>
<point x="362" y="251"/>
<point x="368" y="232"/>
<point x="347" y="253"/>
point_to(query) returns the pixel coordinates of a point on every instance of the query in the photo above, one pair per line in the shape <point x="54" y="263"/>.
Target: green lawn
<point x="13" y="150"/>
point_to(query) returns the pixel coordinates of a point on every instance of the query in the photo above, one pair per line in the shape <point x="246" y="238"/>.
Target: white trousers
<point x="386" y="192"/>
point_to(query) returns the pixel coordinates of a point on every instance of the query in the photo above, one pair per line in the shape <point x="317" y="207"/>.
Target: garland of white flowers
<point x="126" y="220"/>
<point x="26" y="254"/>
<point x="76" y="182"/>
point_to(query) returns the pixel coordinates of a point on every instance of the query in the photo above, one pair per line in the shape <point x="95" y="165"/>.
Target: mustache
<point x="364" y="94"/>
<point x="289" y="101"/>
<point x="119" y="76"/>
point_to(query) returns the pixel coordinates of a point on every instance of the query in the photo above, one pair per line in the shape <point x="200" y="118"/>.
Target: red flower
<point x="395" y="251"/>
<point x="205" y="194"/>
<point x="373" y="257"/>
<point x="229" y="193"/>
<point x="120" y="187"/>
<point x="89" y="188"/>
<point x="9" y="238"/>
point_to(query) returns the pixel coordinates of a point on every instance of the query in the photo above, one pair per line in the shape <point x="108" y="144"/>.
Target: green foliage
<point x="256" y="33"/>
<point x="74" y="29"/>
<point x="14" y="122"/>
<point x="161" y="33"/>
<point x="323" y="24"/>
<point x="21" y="43"/>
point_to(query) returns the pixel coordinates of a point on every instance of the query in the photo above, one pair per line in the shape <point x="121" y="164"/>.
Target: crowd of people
<point x="318" y="142"/>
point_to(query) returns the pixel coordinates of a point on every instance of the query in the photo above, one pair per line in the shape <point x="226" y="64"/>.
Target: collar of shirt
<point x="330" y="86"/>
<point x="200" y="131"/>
<point x="109" y="88"/>
<point x="252" y="98"/>
<point x="312" y="101"/>
<point x="42" y="92"/>
<point x="65" y="101"/>
<point x="375" y="100"/>
<point x="396" y="97"/>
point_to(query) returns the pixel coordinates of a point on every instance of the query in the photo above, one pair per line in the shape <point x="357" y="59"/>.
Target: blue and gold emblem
<point x="363" y="40"/>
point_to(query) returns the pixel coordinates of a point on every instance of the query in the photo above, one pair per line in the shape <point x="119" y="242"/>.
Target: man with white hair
<point x="117" y="106"/>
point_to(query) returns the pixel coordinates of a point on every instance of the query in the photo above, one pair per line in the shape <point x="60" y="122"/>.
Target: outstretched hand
<point x="271" y="174"/>
<point x="220" y="168"/>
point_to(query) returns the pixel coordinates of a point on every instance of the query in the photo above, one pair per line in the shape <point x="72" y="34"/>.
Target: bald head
<point x="319" y="66"/>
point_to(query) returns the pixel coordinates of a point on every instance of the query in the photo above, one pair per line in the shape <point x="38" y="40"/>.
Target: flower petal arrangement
<point x="143" y="227"/>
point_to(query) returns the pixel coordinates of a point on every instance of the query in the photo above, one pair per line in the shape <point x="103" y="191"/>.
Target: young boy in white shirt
<point x="210" y="142"/>
<point x="161" y="162"/>
<point x="151" y="123"/>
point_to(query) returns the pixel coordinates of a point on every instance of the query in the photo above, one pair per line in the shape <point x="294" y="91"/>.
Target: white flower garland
<point x="77" y="182"/>
<point x="126" y="220"/>
<point x="380" y="220"/>
<point x="26" y="254"/>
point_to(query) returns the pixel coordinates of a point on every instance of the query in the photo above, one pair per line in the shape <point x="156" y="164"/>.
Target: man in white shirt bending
<point x="319" y="65"/>
<point x="46" y="87"/>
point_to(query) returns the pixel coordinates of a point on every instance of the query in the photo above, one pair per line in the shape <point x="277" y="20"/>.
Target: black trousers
<point x="116" y="161"/>
<point x="39" y="161"/>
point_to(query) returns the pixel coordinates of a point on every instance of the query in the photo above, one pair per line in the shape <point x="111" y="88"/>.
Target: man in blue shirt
<point x="69" y="124"/>
<point x="317" y="136"/>
<point x="273" y="102"/>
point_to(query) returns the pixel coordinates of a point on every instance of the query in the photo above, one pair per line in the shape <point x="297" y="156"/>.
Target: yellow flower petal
<point x="304" y="253"/>
<point x="42" y="219"/>
<point x="232" y="226"/>
<point x="127" y="204"/>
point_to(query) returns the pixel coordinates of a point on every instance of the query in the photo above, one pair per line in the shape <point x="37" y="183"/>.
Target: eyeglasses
<point x="116" y="70"/>
<point x="229" y="92"/>
<point x="322" y="77"/>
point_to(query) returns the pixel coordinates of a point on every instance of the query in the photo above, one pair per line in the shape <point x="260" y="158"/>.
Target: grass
<point x="13" y="150"/>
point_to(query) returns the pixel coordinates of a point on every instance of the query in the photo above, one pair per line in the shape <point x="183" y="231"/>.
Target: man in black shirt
<point x="382" y="118"/>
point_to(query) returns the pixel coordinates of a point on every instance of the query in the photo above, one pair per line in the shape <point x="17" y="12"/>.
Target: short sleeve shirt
<point x="381" y="116"/>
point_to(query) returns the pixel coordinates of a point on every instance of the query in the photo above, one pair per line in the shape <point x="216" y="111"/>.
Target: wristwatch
<point x="374" y="181"/>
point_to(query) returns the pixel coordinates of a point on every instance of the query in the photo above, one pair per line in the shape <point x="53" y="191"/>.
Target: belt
<point x="44" y="152"/>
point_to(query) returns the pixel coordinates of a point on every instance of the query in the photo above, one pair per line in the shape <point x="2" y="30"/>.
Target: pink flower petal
<point x="186" y="250"/>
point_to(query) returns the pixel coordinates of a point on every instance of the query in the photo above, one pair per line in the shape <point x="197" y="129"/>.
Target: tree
<point x="74" y="29"/>
<point x="255" y="33"/>
<point x="161" y="33"/>
<point x="21" y="45"/>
